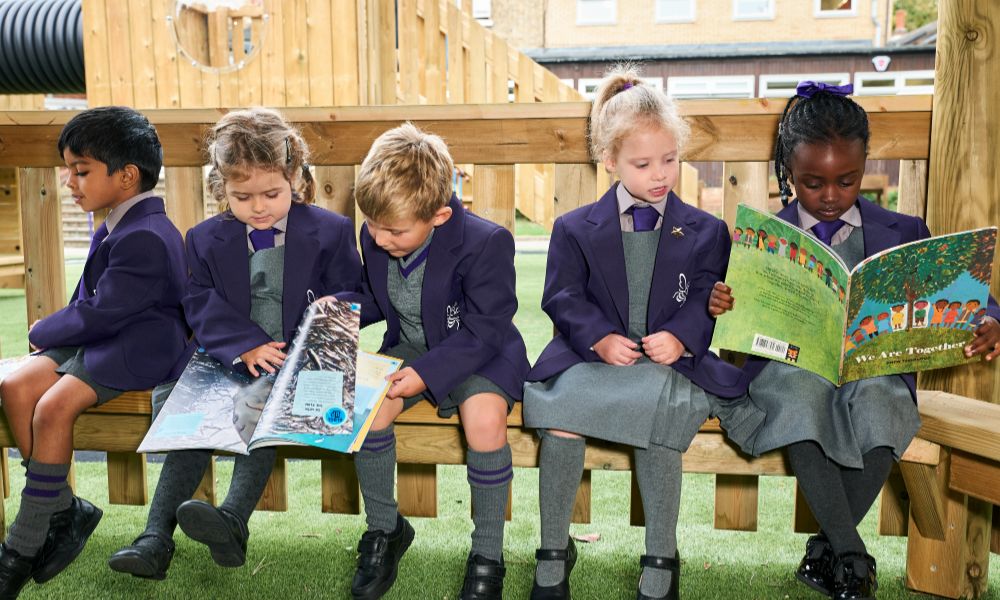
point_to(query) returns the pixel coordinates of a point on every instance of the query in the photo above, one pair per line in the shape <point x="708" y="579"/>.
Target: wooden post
<point x="185" y="199"/>
<point x="912" y="188"/>
<point x="736" y="502"/>
<point x="581" y="505"/>
<point x="894" y="507"/>
<point x="743" y="182"/>
<point x="803" y="520"/>
<point x="206" y="489"/>
<point x="339" y="483"/>
<point x="416" y="489"/>
<point x="335" y="189"/>
<point x="687" y="185"/>
<point x="380" y="57"/>
<point x="127" y="478"/>
<point x="636" y="513"/>
<point x="575" y="186"/>
<point x="493" y="193"/>
<point x="275" y="496"/>
<point x="41" y="223"/>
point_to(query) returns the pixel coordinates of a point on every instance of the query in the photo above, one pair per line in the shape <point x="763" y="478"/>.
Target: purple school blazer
<point x="320" y="256"/>
<point x="882" y="230"/>
<point x="467" y="304"/>
<point x="586" y="289"/>
<point x="130" y="325"/>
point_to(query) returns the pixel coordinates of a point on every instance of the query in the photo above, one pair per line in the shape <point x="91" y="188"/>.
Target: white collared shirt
<point x="279" y="236"/>
<point x="627" y="200"/>
<point x="851" y="218"/>
<point x="117" y="213"/>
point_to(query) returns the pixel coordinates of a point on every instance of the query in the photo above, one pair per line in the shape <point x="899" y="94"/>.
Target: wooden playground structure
<point x="454" y="78"/>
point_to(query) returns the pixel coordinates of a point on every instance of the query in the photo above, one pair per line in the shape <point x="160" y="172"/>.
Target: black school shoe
<point x="15" y="571"/>
<point x="378" y="560"/>
<point x="483" y="579"/>
<point x="559" y="591"/>
<point x="669" y="564"/>
<point x="69" y="531"/>
<point x="224" y="533"/>
<point x="854" y="577"/>
<point x="148" y="557"/>
<point x="816" y="567"/>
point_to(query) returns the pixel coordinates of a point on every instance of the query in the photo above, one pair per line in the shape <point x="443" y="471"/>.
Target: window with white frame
<point x="835" y="8"/>
<point x="753" y="9"/>
<point x="675" y="11"/>
<point x="783" y="86"/>
<point x="596" y="12"/>
<point x="482" y="9"/>
<point x="730" y="86"/>
<point x="892" y="84"/>
<point x="588" y="86"/>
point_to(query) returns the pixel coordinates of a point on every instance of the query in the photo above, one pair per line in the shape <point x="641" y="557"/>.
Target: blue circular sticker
<point x="334" y="415"/>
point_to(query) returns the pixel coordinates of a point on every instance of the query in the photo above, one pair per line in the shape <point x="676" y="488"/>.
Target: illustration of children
<point x="812" y="263"/>
<point x="803" y="256"/>
<point x="750" y="237"/>
<point x="868" y="324"/>
<point x="772" y="244"/>
<point x="883" y="323"/>
<point x="951" y="314"/>
<point x="939" y="308"/>
<point x="783" y="248"/>
<point x="793" y="252"/>
<point x="898" y="317"/>
<point x="828" y="275"/>
<point x="737" y="235"/>
<point x="966" y="319"/>
<point x="841" y="293"/>
<point x="761" y="239"/>
<point x="920" y="313"/>
<point x="859" y="337"/>
<point x="849" y="345"/>
<point x="819" y="269"/>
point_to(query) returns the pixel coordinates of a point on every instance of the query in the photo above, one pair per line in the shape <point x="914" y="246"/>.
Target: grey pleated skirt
<point x="641" y="404"/>
<point x="785" y="405"/>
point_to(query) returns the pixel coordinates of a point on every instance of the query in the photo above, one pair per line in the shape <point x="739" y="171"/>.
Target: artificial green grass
<point x="304" y="554"/>
<point x="525" y="226"/>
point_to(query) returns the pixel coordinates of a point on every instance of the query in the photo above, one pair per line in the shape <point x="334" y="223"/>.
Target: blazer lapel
<point x="879" y="228"/>
<point x="233" y="263"/>
<point x="99" y="260"/>
<point x="672" y="256"/>
<point x="609" y="254"/>
<point x="301" y="252"/>
<point x="439" y="272"/>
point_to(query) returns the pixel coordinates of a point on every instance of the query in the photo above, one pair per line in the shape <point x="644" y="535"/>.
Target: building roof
<point x="921" y="36"/>
<point x="730" y="50"/>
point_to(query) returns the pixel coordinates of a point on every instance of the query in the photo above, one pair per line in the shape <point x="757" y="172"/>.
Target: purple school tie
<point x="262" y="239"/>
<point x="643" y="217"/>
<point x="95" y="242"/>
<point x="824" y="230"/>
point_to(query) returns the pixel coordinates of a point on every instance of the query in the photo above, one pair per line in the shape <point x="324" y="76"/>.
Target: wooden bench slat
<point x="127" y="478"/>
<point x="961" y="423"/>
<point x="275" y="496"/>
<point x="339" y="483"/>
<point x="416" y="489"/>
<point x="978" y="477"/>
<point x="736" y="502"/>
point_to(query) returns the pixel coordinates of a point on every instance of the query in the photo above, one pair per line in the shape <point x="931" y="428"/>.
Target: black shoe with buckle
<point x="854" y="577"/>
<point x="483" y="579"/>
<point x="148" y="557"/>
<point x="816" y="567"/>
<point x="668" y="564"/>
<point x="69" y="531"/>
<point x="378" y="560"/>
<point x="224" y="533"/>
<point x="559" y="591"/>
<point x="15" y="571"/>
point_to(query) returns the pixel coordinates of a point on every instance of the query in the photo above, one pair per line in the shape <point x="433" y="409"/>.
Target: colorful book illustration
<point x="909" y="308"/>
<point x="326" y="394"/>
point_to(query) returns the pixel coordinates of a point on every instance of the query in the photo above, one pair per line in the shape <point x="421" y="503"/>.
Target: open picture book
<point x="908" y="308"/>
<point x="325" y="395"/>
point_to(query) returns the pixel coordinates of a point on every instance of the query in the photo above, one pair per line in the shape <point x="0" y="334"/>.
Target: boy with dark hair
<point x="123" y="330"/>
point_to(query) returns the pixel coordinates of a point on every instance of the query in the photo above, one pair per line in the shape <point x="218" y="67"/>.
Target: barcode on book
<point x="770" y="346"/>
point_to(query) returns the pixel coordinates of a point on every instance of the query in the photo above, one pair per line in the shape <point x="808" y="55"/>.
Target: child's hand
<point x="662" y="347"/>
<point x="266" y="356"/>
<point x="617" y="350"/>
<point x="721" y="299"/>
<point x="404" y="384"/>
<point x="987" y="339"/>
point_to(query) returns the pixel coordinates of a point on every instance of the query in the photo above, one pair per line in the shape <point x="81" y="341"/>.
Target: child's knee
<point x="563" y="434"/>
<point x="486" y="430"/>
<point x="387" y="413"/>
<point x="52" y="412"/>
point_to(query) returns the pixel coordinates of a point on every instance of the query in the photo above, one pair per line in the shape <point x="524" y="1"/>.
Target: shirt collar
<point x="806" y="221"/>
<point x="115" y="216"/>
<point x="626" y="200"/>
<point x="281" y="225"/>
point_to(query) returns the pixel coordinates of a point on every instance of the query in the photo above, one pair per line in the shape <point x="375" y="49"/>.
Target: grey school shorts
<point x="70" y="362"/>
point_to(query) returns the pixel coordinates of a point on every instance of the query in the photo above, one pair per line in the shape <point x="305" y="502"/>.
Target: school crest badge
<point x="681" y="294"/>
<point x="454" y="320"/>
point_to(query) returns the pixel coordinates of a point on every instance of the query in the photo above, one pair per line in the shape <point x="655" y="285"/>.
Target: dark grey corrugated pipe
<point x="41" y="47"/>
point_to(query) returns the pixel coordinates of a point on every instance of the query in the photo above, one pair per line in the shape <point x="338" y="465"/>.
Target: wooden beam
<point x="127" y="478"/>
<point x="894" y="505"/>
<point x="962" y="423"/>
<point x="581" y="504"/>
<point x="275" y="496"/>
<point x="206" y="489"/>
<point x="480" y="134"/>
<point x="736" y="498"/>
<point x="575" y="185"/>
<point x="977" y="477"/>
<point x="185" y="201"/>
<point x="912" y="188"/>
<point x="493" y="193"/>
<point x="41" y="223"/>
<point x="743" y="183"/>
<point x="803" y="520"/>
<point x="416" y="489"/>
<point x="340" y="486"/>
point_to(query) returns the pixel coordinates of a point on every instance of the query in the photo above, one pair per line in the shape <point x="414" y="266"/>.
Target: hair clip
<point x="288" y="150"/>
<point x="628" y="85"/>
<point x="808" y="89"/>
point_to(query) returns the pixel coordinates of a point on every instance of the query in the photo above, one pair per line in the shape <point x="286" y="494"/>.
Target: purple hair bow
<point x="807" y="89"/>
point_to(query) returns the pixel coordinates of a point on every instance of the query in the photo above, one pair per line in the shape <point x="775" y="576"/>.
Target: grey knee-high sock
<point x="179" y="478"/>
<point x="658" y="470"/>
<point x="560" y="466"/>
<point x="489" y="474"/>
<point x="250" y="475"/>
<point x="375" y="464"/>
<point x="863" y="486"/>
<point x="821" y="484"/>
<point x="45" y="493"/>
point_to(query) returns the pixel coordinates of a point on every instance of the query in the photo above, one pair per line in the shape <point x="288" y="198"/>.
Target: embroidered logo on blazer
<point x="454" y="321"/>
<point x="681" y="295"/>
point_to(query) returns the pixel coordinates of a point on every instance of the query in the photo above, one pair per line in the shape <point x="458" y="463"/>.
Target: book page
<point x="199" y="412"/>
<point x="314" y="392"/>
<point x="789" y="292"/>
<point x="914" y="307"/>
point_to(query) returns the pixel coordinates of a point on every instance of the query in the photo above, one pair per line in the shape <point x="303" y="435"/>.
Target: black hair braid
<point x="822" y="118"/>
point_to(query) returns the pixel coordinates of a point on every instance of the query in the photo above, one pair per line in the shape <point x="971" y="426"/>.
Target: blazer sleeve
<point x="565" y="298"/>
<point x="691" y="323"/>
<point x="490" y="303"/>
<point x="362" y="294"/>
<point x="137" y="272"/>
<point x="222" y="330"/>
<point x="343" y="272"/>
